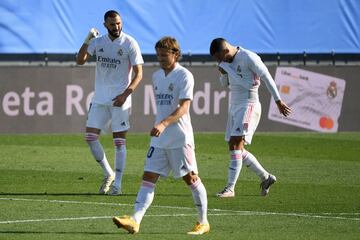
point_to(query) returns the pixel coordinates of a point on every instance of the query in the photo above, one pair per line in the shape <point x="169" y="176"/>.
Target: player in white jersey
<point x="172" y="142"/>
<point x="241" y="70"/>
<point x="117" y="55"/>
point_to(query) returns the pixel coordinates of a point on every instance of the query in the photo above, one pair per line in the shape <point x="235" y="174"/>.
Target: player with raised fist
<point x="117" y="56"/>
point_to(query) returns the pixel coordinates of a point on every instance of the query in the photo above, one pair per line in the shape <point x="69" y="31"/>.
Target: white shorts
<point x="243" y="121"/>
<point x="180" y="161"/>
<point x="99" y="116"/>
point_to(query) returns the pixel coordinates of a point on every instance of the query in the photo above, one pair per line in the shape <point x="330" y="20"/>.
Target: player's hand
<point x="119" y="100"/>
<point x="93" y="33"/>
<point x="157" y="129"/>
<point x="283" y="108"/>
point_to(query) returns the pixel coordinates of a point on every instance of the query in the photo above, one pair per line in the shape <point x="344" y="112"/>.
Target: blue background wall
<point x="285" y="26"/>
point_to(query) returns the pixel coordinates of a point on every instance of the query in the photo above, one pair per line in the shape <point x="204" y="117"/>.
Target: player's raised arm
<point x="83" y="54"/>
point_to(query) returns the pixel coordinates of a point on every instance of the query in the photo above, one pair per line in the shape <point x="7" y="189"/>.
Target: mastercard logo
<point x="285" y="89"/>
<point x="326" y="122"/>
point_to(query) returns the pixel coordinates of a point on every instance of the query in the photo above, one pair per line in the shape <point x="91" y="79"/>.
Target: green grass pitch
<point x="49" y="184"/>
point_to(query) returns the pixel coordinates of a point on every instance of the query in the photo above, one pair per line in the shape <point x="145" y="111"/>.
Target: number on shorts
<point x="150" y="152"/>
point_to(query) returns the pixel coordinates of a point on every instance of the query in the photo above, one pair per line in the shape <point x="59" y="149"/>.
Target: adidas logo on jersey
<point x="123" y="124"/>
<point x="101" y="50"/>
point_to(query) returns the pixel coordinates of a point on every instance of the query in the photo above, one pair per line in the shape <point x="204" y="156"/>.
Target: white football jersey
<point x="178" y="84"/>
<point x="114" y="61"/>
<point x="244" y="74"/>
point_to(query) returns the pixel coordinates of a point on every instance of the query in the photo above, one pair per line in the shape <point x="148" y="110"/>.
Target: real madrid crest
<point x="171" y="87"/>
<point x="120" y="52"/>
<point x="331" y="91"/>
<point x="238" y="71"/>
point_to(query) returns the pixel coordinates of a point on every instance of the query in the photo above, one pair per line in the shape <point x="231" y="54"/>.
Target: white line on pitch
<point x="52" y="219"/>
<point x="161" y="215"/>
<point x="232" y="212"/>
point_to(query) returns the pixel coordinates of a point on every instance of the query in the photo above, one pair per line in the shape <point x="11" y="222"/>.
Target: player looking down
<point x="241" y="71"/>
<point x="172" y="143"/>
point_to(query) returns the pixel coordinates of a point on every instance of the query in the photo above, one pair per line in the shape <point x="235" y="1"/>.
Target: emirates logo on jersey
<point x="120" y="52"/>
<point x="171" y="87"/>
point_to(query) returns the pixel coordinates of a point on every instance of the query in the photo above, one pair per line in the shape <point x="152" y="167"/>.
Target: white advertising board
<point x="316" y="99"/>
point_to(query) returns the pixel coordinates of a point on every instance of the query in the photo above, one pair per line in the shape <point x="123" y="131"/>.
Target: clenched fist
<point x="93" y="33"/>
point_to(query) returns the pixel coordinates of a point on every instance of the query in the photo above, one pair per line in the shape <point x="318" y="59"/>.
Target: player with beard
<point x="117" y="55"/>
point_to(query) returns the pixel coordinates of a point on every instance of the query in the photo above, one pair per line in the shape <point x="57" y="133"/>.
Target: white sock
<point x="251" y="162"/>
<point x="200" y="199"/>
<point x="234" y="168"/>
<point x="144" y="199"/>
<point x="98" y="152"/>
<point x="119" y="160"/>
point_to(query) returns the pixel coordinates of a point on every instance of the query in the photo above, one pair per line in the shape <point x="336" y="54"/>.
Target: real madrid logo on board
<point x="331" y="91"/>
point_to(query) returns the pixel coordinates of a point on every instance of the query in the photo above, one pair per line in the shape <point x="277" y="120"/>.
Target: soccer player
<point x="117" y="55"/>
<point x="172" y="142"/>
<point x="241" y="70"/>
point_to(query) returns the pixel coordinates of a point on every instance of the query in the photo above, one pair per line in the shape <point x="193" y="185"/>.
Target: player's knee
<point x="190" y="178"/>
<point x="119" y="143"/>
<point x="91" y="137"/>
<point x="151" y="177"/>
<point x="236" y="143"/>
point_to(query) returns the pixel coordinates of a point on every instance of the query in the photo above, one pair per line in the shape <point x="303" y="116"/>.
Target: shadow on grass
<point x="122" y="233"/>
<point x="91" y="194"/>
<point x="59" y="194"/>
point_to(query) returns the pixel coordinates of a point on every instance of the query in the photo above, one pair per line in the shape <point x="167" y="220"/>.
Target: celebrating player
<point x="172" y="142"/>
<point x="117" y="54"/>
<point x="241" y="70"/>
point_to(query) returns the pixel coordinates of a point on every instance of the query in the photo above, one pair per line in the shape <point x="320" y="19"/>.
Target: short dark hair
<point x="216" y="45"/>
<point x="111" y="14"/>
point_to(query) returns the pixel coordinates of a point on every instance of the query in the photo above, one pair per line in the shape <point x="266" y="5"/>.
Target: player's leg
<point x="156" y="164"/>
<point x="97" y="118"/>
<point x="144" y="199"/>
<point x="236" y="145"/>
<point x="250" y="160"/>
<point x="120" y="125"/>
<point x="119" y="139"/>
<point x="234" y="137"/>
<point x="200" y="199"/>
<point x="183" y="164"/>
<point x="145" y="195"/>
<point x="253" y="164"/>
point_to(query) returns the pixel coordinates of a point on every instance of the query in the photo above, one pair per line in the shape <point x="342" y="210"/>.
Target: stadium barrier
<point x="55" y="99"/>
